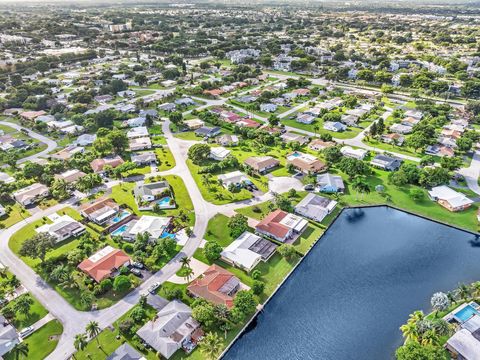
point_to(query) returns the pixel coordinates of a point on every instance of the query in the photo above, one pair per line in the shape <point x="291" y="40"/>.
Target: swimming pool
<point x="120" y="230"/>
<point x="466" y="313"/>
<point x="120" y="217"/>
<point x="164" y="202"/>
<point x="168" y="235"/>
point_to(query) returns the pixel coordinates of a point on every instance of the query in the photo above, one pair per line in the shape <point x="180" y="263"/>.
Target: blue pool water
<point x="120" y="217"/>
<point x="295" y="154"/>
<point x="120" y="230"/>
<point x="167" y="235"/>
<point x="164" y="201"/>
<point x="358" y="285"/>
<point x="466" y="313"/>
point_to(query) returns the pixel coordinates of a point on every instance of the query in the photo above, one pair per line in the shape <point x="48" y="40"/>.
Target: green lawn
<point x="42" y="342"/>
<point x="17" y="213"/>
<point x="165" y="158"/>
<point x="137" y="171"/>
<point x="218" y="230"/>
<point x="37" y="312"/>
<point x="309" y="237"/>
<point x="187" y="135"/>
<point x="351" y="132"/>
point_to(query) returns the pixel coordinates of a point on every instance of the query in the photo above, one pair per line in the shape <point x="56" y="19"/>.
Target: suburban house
<point x="98" y="165"/>
<point x="305" y="118"/>
<point x="137" y="132"/>
<point x="6" y="178"/>
<point x="464" y="344"/>
<point x="281" y="226"/>
<point x="261" y="164"/>
<point x="305" y="163"/>
<point x="104" y="263"/>
<point x="8" y="336"/>
<point x="227" y="140"/>
<point x="125" y="352"/>
<point x="100" y="211"/>
<point x="235" y="178"/>
<point x="207" y="132"/>
<point x="268" y="107"/>
<point x="62" y="227"/>
<point x="291" y="137"/>
<point x="68" y="152"/>
<point x="155" y="226"/>
<point x="31" y="194"/>
<point x="385" y="162"/>
<point x="358" y="154"/>
<point x="148" y="192"/>
<point x="135" y="122"/>
<point x="144" y="158"/>
<point x="216" y="285"/>
<point x="194" y="124"/>
<point x="334" y="126"/>
<point x="318" y="144"/>
<point x="140" y="143"/>
<point x="393" y="138"/>
<point x="172" y="328"/>
<point x="449" y="198"/>
<point x="329" y="183"/>
<point x="247" y="251"/>
<point x="219" y="153"/>
<point x="85" y="139"/>
<point x="70" y="176"/>
<point x="401" y="129"/>
<point x="315" y="207"/>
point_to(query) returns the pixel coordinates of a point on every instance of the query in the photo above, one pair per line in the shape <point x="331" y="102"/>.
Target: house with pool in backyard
<point x="465" y="342"/>
<point x="156" y="194"/>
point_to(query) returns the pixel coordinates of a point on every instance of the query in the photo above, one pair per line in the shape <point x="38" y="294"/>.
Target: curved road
<point x="51" y="144"/>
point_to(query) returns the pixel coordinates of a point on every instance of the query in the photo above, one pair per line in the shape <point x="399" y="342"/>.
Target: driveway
<point x="281" y="184"/>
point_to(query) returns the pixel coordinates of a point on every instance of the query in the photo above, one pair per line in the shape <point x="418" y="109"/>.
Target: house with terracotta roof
<point x="32" y="115"/>
<point x="104" y="263"/>
<point x="98" y="165"/>
<point x="281" y="226"/>
<point x="216" y="285"/>
<point x="100" y="211"/>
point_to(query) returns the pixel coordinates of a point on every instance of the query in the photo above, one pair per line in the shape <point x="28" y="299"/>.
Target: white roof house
<point x="137" y="132"/>
<point x="86" y="139"/>
<point x="172" y="326"/>
<point x="219" y="153"/>
<point x="8" y="336"/>
<point x="62" y="227"/>
<point x="358" y="154"/>
<point x="154" y="225"/>
<point x="449" y="198"/>
<point x="235" y="177"/>
<point x="247" y="251"/>
<point x="31" y="194"/>
<point x="315" y="207"/>
<point x="6" y="178"/>
<point x="464" y="345"/>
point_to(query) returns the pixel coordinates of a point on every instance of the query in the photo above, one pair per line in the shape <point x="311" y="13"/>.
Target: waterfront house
<point x="281" y="226"/>
<point x="172" y="328"/>
<point x="329" y="183"/>
<point x="104" y="263"/>
<point x="449" y="198"/>
<point x="216" y="285"/>
<point x="315" y="207"/>
<point x="247" y="251"/>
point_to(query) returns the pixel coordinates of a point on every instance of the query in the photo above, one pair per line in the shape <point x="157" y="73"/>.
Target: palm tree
<point x="20" y="350"/>
<point x="188" y="272"/>
<point x="464" y="292"/>
<point x="315" y="129"/>
<point x="185" y="262"/>
<point x="93" y="330"/>
<point x="80" y="342"/>
<point x="211" y="346"/>
<point x="361" y="186"/>
<point x="409" y="331"/>
<point x="476" y="288"/>
<point x="416" y="317"/>
<point x="23" y="304"/>
<point x="430" y="337"/>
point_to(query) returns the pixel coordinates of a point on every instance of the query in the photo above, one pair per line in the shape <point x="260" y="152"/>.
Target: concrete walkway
<point x="198" y="268"/>
<point x="47" y="318"/>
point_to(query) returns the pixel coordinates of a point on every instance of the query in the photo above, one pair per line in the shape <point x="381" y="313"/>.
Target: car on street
<point x="153" y="287"/>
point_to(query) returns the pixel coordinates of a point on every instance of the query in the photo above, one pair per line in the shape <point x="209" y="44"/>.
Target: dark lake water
<point x="350" y="295"/>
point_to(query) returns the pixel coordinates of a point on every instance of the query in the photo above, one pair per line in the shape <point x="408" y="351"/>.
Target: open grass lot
<point x="309" y="237"/>
<point x="218" y="230"/>
<point x="37" y="311"/>
<point x="17" y="213"/>
<point x="389" y="147"/>
<point x="187" y="135"/>
<point x="111" y="338"/>
<point x="143" y="92"/>
<point x="137" y="171"/>
<point x="214" y="192"/>
<point x="165" y="158"/>
<point x="123" y="195"/>
<point x="42" y="342"/>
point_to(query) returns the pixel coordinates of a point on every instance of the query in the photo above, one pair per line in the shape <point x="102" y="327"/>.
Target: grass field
<point x="37" y="311"/>
<point x="42" y="342"/>
<point x="165" y="158"/>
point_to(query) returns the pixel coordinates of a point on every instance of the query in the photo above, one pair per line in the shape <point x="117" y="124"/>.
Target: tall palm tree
<point x="409" y="331"/>
<point x="188" y="272"/>
<point x="430" y="337"/>
<point x="20" y="351"/>
<point x="185" y="262"/>
<point x="93" y="329"/>
<point x="464" y="291"/>
<point x="416" y="317"/>
<point x="211" y="346"/>
<point x="80" y="342"/>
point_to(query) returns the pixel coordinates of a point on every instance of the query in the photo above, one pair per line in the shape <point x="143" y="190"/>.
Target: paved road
<point x="51" y="144"/>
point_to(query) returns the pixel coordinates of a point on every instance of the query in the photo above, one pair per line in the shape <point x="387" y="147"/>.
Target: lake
<point x="349" y="296"/>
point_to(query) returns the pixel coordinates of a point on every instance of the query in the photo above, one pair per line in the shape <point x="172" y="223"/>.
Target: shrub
<point x="121" y="283"/>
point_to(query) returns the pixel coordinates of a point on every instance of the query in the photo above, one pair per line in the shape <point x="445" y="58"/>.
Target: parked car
<point x="27" y="331"/>
<point x="138" y="265"/>
<point x="136" y="272"/>
<point x="153" y="287"/>
<point x="309" y="187"/>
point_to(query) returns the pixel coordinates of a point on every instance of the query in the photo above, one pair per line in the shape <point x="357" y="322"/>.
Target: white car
<point x="153" y="287"/>
<point x="25" y="332"/>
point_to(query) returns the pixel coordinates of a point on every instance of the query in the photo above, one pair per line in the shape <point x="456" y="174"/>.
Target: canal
<point x="349" y="296"/>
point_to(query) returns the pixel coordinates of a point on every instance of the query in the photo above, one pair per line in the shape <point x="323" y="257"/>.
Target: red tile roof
<point x="104" y="266"/>
<point x="209" y="284"/>
<point x="271" y="224"/>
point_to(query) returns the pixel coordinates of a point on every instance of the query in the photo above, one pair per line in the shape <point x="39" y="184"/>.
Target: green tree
<point x="118" y="139"/>
<point x="332" y="155"/>
<point x="80" y="342"/>
<point x="93" y="329"/>
<point x="37" y="246"/>
<point x="415" y="351"/>
<point x="245" y="302"/>
<point x="287" y="251"/>
<point x="198" y="153"/>
<point x="59" y="189"/>
<point x="238" y="224"/>
<point x="122" y="283"/>
<point x="211" y="346"/>
<point x="212" y="250"/>
<point x="103" y="146"/>
<point x="20" y="351"/>
<point x="23" y="305"/>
